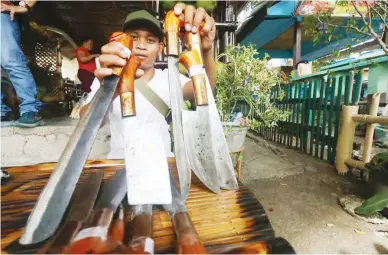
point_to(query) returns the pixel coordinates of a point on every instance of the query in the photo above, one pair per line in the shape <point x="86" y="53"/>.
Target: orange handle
<point x="116" y="230"/>
<point x="126" y="40"/>
<point x="193" y="42"/>
<point x="188" y="239"/>
<point x="190" y="60"/>
<point x="141" y="230"/>
<point x="92" y="236"/>
<point x="172" y="26"/>
<point x="127" y="87"/>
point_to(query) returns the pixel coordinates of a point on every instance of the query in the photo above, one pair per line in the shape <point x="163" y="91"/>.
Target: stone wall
<point x="26" y="146"/>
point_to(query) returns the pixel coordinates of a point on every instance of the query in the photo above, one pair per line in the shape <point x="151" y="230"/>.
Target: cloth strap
<point x="154" y="99"/>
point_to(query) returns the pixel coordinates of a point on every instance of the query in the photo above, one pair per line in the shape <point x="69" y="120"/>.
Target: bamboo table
<point x="230" y="222"/>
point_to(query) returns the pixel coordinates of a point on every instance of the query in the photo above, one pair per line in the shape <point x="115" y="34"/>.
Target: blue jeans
<point x="15" y="63"/>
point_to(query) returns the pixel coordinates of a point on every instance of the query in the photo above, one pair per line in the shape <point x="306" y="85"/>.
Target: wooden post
<point x="297" y="42"/>
<point x="374" y="105"/>
<point x="345" y="138"/>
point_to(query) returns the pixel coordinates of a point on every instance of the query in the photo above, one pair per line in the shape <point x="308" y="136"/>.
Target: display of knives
<point x="82" y="204"/>
<point x="55" y="197"/>
<point x="92" y="236"/>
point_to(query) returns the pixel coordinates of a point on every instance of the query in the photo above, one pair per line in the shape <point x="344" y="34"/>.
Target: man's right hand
<point x="113" y="54"/>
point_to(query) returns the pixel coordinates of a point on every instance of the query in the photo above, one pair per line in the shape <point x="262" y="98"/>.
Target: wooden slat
<point x="230" y="221"/>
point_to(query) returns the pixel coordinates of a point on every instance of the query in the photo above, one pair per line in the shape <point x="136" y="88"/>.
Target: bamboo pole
<point x="374" y="105"/>
<point x="355" y="163"/>
<point x="363" y="118"/>
<point x="345" y="138"/>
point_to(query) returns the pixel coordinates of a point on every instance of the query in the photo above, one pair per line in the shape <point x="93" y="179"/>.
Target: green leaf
<point x="374" y="204"/>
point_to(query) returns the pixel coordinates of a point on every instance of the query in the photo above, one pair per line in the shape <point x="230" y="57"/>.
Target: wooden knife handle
<point x="126" y="40"/>
<point x="141" y="233"/>
<point x="193" y="42"/>
<point x="116" y="229"/>
<point x="127" y="87"/>
<point x="172" y="26"/>
<point x="191" y="60"/>
<point x="62" y="239"/>
<point x="188" y="239"/>
<point x="92" y="237"/>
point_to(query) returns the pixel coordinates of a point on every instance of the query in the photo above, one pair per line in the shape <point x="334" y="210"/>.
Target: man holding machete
<point x="147" y="35"/>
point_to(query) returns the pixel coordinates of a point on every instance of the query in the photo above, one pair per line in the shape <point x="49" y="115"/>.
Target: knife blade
<point x="196" y="125"/>
<point x="55" y="196"/>
<point x="92" y="236"/>
<point x="172" y="25"/>
<point x="81" y="205"/>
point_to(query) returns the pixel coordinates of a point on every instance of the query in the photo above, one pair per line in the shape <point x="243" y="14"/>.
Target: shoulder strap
<point x="154" y="99"/>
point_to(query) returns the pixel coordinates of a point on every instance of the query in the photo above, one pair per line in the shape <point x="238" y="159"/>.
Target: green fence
<point x="314" y="102"/>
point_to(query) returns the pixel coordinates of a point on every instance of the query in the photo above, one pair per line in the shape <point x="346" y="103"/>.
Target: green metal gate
<point x="315" y="103"/>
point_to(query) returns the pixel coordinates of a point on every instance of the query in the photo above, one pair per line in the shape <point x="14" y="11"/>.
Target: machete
<point x="223" y="162"/>
<point x="196" y="125"/>
<point x="81" y="205"/>
<point x="172" y="26"/>
<point x="55" y="196"/>
<point x="145" y="156"/>
<point x="92" y="236"/>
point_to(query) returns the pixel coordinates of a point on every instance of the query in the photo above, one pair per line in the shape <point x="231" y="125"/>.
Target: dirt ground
<point x="300" y="194"/>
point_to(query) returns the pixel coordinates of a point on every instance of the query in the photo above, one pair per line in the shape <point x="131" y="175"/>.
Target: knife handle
<point x="141" y="233"/>
<point x="127" y="87"/>
<point x="126" y="40"/>
<point x="116" y="229"/>
<point x="193" y="42"/>
<point x="62" y="239"/>
<point x="191" y="60"/>
<point x="188" y="240"/>
<point x="91" y="238"/>
<point x="172" y="26"/>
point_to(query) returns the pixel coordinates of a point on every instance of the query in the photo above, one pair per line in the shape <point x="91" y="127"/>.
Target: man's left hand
<point x="193" y="20"/>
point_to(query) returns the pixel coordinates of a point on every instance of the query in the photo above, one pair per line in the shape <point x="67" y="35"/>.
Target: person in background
<point x="15" y="63"/>
<point x="87" y="63"/>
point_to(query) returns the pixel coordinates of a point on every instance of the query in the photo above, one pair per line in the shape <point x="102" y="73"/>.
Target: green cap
<point x="144" y="19"/>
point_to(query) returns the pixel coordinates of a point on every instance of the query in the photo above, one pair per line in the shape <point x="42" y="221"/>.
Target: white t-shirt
<point x="145" y="112"/>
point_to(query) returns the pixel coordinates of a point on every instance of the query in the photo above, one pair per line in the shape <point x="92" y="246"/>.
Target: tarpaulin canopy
<point x="275" y="35"/>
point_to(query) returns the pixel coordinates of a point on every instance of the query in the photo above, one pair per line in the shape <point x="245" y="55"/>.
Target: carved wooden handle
<point x="172" y="25"/>
<point x="126" y="40"/>
<point x="188" y="239"/>
<point x="192" y="62"/>
<point x="117" y="228"/>
<point x="93" y="236"/>
<point x="141" y="233"/>
<point x="193" y="42"/>
<point x="127" y="87"/>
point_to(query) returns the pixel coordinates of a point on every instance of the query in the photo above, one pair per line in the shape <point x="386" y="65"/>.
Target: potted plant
<point x="243" y="90"/>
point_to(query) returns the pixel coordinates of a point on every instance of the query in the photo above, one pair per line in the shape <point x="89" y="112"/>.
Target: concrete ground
<point x="300" y="194"/>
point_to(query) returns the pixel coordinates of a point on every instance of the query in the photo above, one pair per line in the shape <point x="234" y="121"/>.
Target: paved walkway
<point x="300" y="193"/>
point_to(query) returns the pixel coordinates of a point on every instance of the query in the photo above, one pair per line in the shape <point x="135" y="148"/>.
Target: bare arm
<point x="83" y="58"/>
<point x="5" y="6"/>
